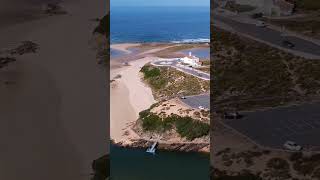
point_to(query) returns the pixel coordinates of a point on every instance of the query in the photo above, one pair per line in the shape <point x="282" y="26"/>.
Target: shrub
<point x="151" y="122"/>
<point x="191" y="129"/>
<point x="186" y="126"/>
<point x="144" y="113"/>
<point x="150" y="72"/>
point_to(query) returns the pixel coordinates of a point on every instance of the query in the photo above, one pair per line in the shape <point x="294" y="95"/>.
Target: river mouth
<point x="136" y="164"/>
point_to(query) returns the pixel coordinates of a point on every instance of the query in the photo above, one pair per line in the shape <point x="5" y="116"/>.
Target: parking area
<point x="273" y="127"/>
<point x="198" y="100"/>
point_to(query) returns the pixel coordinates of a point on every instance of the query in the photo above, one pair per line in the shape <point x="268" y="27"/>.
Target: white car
<point x="261" y="24"/>
<point x="290" y="145"/>
<point x="201" y="107"/>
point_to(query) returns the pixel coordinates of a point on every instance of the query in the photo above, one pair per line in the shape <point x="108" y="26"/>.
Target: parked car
<point x="261" y="24"/>
<point x="201" y="107"/>
<point x="290" y="145"/>
<point x="287" y="44"/>
<point x="232" y="115"/>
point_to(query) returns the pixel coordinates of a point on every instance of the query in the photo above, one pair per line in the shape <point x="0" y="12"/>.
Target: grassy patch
<point x="191" y="129"/>
<point x="168" y="82"/>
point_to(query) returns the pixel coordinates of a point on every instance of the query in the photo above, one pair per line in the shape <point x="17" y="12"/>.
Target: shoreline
<point x="129" y="89"/>
<point x="167" y="147"/>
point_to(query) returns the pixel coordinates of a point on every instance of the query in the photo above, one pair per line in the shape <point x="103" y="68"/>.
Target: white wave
<point x="199" y="40"/>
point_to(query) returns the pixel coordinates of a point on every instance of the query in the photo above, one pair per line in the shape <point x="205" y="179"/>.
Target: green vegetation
<point x="168" y="82"/>
<point x="185" y="126"/>
<point x="154" y="77"/>
<point x="150" y="72"/>
<point x="250" y="75"/>
<point x="191" y="129"/>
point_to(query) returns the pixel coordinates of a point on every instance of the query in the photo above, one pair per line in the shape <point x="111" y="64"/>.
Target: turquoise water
<point x="136" y="164"/>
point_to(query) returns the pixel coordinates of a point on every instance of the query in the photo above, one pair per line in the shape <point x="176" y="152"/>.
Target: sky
<point x="160" y="2"/>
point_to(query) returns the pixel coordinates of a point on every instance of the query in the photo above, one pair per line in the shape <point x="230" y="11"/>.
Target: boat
<point x="152" y="149"/>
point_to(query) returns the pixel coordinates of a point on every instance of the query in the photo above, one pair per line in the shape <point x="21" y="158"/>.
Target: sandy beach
<point x="124" y="46"/>
<point x="53" y="120"/>
<point x="129" y="95"/>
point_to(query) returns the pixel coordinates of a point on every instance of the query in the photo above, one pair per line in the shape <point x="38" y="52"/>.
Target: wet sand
<point x="53" y="118"/>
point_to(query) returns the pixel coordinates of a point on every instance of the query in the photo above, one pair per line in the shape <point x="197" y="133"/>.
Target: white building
<point x="191" y="60"/>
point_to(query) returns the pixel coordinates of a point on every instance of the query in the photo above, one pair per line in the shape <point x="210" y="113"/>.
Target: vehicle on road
<point x="290" y="145"/>
<point x="287" y="44"/>
<point x="183" y="97"/>
<point x="261" y="24"/>
<point x="201" y="107"/>
<point x="232" y="115"/>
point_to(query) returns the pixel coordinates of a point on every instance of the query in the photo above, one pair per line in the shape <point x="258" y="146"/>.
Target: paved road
<point x="198" y="100"/>
<point x="273" y="127"/>
<point x="174" y="63"/>
<point x="270" y="35"/>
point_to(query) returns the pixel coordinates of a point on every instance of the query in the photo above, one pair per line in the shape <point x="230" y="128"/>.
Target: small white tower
<point x="190" y="54"/>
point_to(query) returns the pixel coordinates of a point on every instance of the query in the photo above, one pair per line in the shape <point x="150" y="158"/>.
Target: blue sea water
<point x="159" y="24"/>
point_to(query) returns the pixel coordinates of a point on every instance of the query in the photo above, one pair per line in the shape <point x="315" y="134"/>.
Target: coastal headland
<point x="144" y="96"/>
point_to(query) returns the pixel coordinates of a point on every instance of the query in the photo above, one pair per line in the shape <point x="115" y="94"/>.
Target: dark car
<point x="287" y="43"/>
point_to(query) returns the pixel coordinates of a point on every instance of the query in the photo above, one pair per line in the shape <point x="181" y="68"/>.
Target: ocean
<point x="159" y="24"/>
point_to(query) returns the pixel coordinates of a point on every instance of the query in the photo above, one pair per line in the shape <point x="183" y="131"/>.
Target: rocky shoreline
<point x="181" y="147"/>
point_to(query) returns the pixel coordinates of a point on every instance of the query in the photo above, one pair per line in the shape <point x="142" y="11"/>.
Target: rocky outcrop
<point x="183" y="147"/>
